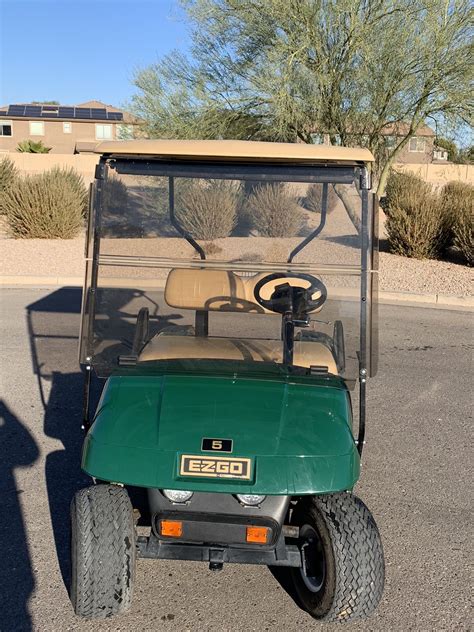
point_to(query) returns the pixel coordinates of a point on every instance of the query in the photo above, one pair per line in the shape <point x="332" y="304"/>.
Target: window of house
<point x="417" y="144"/>
<point x="390" y="142"/>
<point x="67" y="128"/>
<point x="36" y="128"/>
<point x="317" y="139"/>
<point x="6" y="128"/>
<point x="103" y="132"/>
<point x="124" y="132"/>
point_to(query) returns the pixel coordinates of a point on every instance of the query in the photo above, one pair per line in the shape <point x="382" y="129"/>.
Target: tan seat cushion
<point x="220" y="290"/>
<point x="306" y="353"/>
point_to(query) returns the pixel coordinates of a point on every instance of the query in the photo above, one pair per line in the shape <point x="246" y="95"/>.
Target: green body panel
<point x="297" y="431"/>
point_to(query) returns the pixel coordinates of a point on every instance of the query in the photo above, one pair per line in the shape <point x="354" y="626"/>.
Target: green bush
<point x="457" y="201"/>
<point x="45" y="206"/>
<point x="8" y="175"/>
<point x="32" y="147"/>
<point x="313" y="200"/>
<point x="274" y="211"/>
<point x="415" y="223"/>
<point x="207" y="210"/>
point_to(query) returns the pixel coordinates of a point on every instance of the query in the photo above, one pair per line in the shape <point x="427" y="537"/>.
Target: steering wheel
<point x="286" y="297"/>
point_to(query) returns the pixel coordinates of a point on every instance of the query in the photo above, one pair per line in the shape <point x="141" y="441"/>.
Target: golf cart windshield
<point x="248" y="264"/>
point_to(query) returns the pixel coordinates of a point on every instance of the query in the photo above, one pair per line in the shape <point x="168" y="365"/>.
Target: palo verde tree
<point x="356" y="70"/>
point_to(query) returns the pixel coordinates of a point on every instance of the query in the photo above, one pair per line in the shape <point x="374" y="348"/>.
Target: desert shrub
<point x="398" y="184"/>
<point x="115" y="193"/>
<point x="207" y="210"/>
<point x="313" y="199"/>
<point x="32" y="147"/>
<point x="75" y="181"/>
<point x="457" y="201"/>
<point x="8" y="175"/>
<point x="211" y="248"/>
<point x="274" y="211"/>
<point x="415" y="225"/>
<point x="44" y="206"/>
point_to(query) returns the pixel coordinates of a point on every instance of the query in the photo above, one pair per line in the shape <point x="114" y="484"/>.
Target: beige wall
<point x="36" y="163"/>
<point x="54" y="136"/>
<point x="438" y="174"/>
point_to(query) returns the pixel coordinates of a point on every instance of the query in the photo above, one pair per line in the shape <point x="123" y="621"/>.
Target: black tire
<point x="345" y="575"/>
<point x="103" y="551"/>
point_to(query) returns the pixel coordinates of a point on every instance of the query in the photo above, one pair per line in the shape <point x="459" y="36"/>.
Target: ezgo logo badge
<point x="215" y="467"/>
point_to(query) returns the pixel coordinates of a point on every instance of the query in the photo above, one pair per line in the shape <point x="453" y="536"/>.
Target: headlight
<point x="177" y="495"/>
<point x="250" y="499"/>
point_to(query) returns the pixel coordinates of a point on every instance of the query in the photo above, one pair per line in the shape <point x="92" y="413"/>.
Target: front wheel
<point x="103" y="551"/>
<point x="343" y="571"/>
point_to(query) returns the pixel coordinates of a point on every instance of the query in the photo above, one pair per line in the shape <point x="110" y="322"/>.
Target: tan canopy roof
<point x="236" y="150"/>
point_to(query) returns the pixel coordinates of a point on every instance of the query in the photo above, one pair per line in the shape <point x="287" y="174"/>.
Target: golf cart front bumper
<point x="214" y="528"/>
<point x="282" y="555"/>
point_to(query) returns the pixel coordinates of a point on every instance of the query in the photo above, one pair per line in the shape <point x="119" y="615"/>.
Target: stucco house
<point x="420" y="149"/>
<point x="66" y="129"/>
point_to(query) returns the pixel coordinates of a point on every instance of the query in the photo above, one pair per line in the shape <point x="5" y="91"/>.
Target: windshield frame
<point x="268" y="172"/>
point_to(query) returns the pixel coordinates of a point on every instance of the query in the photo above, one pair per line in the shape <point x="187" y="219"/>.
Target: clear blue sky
<point x="73" y="51"/>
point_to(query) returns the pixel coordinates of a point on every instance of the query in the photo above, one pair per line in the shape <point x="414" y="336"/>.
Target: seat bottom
<point x="305" y="354"/>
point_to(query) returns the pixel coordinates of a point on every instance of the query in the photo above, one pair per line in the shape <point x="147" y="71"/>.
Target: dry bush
<point x="398" y="184"/>
<point x="457" y="201"/>
<point x="115" y="193"/>
<point x="207" y="210"/>
<point x="415" y="225"/>
<point x="211" y="248"/>
<point x="45" y="206"/>
<point x="8" y="175"/>
<point x="75" y="181"/>
<point x="313" y="199"/>
<point x="274" y="211"/>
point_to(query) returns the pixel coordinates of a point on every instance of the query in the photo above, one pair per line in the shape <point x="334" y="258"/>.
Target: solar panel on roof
<point x="66" y="112"/>
<point x="33" y="110"/>
<point x="16" y="110"/>
<point x="84" y="113"/>
<point x="50" y="110"/>
<point x="99" y="113"/>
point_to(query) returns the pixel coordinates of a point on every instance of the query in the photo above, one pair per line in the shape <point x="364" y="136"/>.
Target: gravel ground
<point x="37" y="257"/>
<point x="65" y="258"/>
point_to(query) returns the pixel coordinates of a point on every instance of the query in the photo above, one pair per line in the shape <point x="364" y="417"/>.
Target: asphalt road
<point x="416" y="479"/>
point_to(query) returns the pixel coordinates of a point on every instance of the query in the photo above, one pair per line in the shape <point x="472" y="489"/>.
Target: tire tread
<point x="103" y="551"/>
<point x="358" y="553"/>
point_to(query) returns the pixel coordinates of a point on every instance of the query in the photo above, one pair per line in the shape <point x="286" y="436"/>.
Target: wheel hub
<point x="313" y="570"/>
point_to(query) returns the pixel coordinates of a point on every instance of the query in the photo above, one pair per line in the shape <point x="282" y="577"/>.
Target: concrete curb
<point x="437" y="301"/>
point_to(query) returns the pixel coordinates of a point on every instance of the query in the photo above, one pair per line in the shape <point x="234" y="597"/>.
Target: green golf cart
<point x="230" y="310"/>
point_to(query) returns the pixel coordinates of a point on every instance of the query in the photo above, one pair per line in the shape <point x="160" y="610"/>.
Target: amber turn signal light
<point x="257" y="535"/>
<point x="171" y="528"/>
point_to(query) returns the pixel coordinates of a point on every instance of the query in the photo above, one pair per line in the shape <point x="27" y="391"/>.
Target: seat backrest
<point x="220" y="290"/>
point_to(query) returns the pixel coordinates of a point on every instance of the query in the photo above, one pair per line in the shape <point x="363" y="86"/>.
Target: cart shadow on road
<point x="53" y="324"/>
<point x="17" y="580"/>
<point x="53" y="328"/>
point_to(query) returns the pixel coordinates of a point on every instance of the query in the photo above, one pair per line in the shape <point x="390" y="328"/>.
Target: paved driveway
<point x="416" y="477"/>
